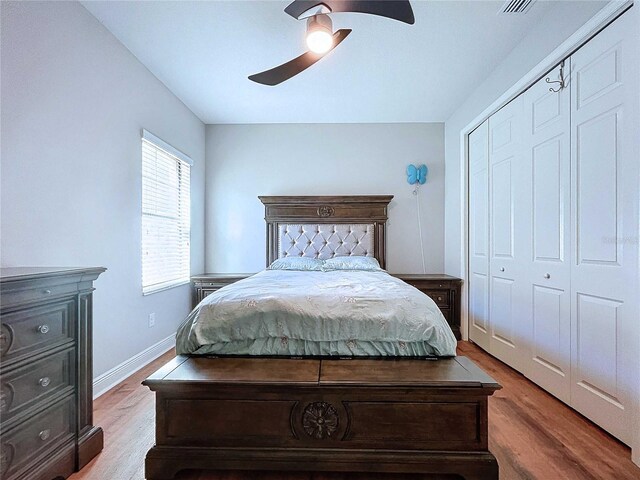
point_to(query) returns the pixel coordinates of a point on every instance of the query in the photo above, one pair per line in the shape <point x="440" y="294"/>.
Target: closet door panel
<point x="508" y="227"/>
<point x="546" y="140"/>
<point x="550" y="334"/>
<point x="479" y="236"/>
<point x="596" y="347"/>
<point x="604" y="293"/>
<point x="502" y="317"/>
<point x="549" y="173"/>
<point x="597" y="165"/>
<point x="503" y="205"/>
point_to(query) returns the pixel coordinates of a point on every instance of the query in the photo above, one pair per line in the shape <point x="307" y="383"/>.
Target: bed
<point x="321" y="370"/>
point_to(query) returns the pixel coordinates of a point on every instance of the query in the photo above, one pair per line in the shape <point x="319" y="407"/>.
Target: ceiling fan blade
<point x="395" y="9"/>
<point x="293" y="67"/>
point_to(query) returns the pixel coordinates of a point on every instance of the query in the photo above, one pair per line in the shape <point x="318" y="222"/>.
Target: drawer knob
<point x="47" y="292"/>
<point x="44" y="434"/>
<point x="502" y="269"/>
<point x="43" y="329"/>
<point x="44" y="381"/>
<point x="439" y="299"/>
<point x="546" y="275"/>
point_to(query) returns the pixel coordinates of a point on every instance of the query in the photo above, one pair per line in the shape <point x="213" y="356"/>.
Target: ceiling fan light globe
<point x="319" y="41"/>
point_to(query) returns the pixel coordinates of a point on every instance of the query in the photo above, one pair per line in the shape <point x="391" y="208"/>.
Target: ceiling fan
<point x="320" y="36"/>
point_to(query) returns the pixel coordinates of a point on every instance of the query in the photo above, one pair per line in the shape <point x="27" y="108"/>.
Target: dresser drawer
<point x="31" y="330"/>
<point x="441" y="297"/>
<point x="24" y="294"/>
<point x="34" y="383"/>
<point x="36" y="439"/>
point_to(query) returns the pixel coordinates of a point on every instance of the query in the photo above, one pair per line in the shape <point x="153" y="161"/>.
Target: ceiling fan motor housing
<point x="320" y="22"/>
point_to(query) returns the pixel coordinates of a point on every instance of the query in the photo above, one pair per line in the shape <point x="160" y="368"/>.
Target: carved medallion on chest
<point x="326" y="211"/>
<point x="320" y="420"/>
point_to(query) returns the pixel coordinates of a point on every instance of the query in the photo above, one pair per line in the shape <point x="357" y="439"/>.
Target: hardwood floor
<point x="533" y="435"/>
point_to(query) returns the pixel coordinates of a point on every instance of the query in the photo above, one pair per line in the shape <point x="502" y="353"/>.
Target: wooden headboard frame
<point x="352" y="209"/>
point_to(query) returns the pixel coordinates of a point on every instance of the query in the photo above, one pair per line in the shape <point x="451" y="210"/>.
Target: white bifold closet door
<point x="508" y="225"/>
<point x="554" y="213"/>
<point x="604" y="210"/>
<point x="479" y="236"/>
<point x="546" y="143"/>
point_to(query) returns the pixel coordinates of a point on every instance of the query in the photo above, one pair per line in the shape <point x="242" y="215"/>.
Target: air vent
<point x="516" y="6"/>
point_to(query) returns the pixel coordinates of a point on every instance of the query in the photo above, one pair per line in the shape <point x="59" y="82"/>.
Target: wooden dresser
<point x="46" y="406"/>
<point x="443" y="289"/>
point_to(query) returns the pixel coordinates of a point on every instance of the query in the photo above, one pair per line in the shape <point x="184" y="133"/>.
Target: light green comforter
<point x="279" y="312"/>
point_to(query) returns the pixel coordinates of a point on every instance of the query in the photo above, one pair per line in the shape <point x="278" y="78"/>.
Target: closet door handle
<point x="546" y="275"/>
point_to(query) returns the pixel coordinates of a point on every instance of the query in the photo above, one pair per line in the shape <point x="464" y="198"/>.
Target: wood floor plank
<point x="533" y="435"/>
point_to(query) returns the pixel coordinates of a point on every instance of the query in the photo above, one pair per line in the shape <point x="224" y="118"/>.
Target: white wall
<point x="244" y="161"/>
<point x="74" y="101"/>
<point x="554" y="28"/>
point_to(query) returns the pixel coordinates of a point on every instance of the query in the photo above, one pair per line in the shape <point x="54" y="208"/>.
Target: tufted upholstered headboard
<point x="326" y="226"/>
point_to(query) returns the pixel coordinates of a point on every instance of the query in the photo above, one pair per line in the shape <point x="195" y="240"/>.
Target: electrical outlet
<point x="152" y="320"/>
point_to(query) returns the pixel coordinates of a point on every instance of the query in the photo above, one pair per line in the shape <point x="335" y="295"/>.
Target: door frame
<point x="597" y="23"/>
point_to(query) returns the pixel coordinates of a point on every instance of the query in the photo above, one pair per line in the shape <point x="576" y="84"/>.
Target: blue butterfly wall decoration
<point x="417" y="174"/>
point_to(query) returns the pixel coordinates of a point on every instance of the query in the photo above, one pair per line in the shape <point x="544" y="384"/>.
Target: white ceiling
<point x="385" y="71"/>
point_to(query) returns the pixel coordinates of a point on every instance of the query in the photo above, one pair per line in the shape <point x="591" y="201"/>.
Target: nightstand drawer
<point x="36" y="383"/>
<point x="37" y="438"/>
<point x="204" y="291"/>
<point x="208" y="283"/>
<point x="32" y="330"/>
<point x="441" y="297"/>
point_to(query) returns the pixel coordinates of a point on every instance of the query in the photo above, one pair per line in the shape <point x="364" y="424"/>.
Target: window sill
<point x="163" y="287"/>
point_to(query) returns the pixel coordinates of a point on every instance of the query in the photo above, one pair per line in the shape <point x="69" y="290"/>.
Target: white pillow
<point x="304" y="264"/>
<point x="368" y="264"/>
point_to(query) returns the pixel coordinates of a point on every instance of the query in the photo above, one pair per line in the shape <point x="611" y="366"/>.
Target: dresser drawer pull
<point x="439" y="299"/>
<point x="43" y="329"/>
<point x="44" y="381"/>
<point x="44" y="434"/>
<point x="47" y="292"/>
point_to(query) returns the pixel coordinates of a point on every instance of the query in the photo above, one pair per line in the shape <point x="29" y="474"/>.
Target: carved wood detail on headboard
<point x="341" y="209"/>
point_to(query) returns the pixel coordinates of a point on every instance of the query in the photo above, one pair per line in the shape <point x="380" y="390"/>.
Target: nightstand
<point x="443" y="289"/>
<point x="210" y="282"/>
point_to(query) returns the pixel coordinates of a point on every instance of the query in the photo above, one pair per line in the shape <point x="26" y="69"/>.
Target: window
<point x="166" y="216"/>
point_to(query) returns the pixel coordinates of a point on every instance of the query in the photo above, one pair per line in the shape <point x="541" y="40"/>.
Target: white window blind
<point x="166" y="219"/>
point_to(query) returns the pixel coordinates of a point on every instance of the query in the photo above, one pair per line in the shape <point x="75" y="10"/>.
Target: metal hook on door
<point x="560" y="82"/>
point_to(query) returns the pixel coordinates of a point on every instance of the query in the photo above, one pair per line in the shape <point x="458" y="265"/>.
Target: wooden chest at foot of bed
<point x="387" y="415"/>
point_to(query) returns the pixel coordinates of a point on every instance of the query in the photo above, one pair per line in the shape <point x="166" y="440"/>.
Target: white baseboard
<point x="117" y="374"/>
